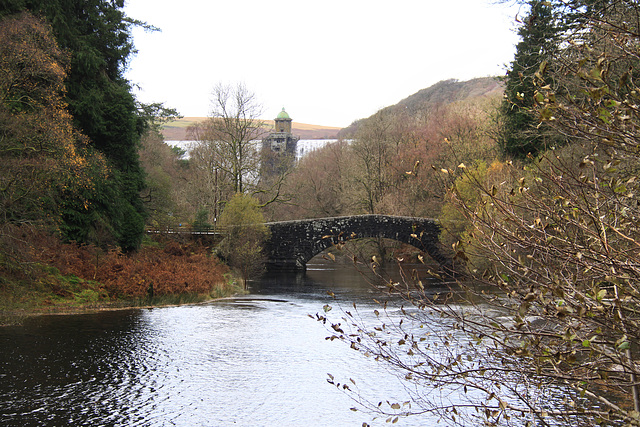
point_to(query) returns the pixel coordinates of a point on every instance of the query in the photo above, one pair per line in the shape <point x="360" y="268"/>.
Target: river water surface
<point x="255" y="360"/>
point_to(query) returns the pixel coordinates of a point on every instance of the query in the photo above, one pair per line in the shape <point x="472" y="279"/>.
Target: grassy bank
<point x="41" y="275"/>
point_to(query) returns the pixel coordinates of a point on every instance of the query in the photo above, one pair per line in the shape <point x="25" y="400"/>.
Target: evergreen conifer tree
<point x="520" y="133"/>
<point x="97" y="35"/>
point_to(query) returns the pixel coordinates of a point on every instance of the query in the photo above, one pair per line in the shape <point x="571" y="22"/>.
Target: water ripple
<point x="254" y="360"/>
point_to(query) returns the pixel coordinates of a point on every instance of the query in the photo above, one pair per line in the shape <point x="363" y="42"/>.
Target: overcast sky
<point x="326" y="62"/>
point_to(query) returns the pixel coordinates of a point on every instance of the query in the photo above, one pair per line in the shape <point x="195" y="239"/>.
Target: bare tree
<point x="317" y="185"/>
<point x="231" y="133"/>
<point x="372" y="150"/>
<point x="208" y="186"/>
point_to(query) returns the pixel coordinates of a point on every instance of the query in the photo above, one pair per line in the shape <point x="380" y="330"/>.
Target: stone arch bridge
<point x="294" y="243"/>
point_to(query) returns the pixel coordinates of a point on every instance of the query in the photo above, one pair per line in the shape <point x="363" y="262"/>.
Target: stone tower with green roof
<point x="281" y="140"/>
<point x="283" y="122"/>
<point x="279" y="148"/>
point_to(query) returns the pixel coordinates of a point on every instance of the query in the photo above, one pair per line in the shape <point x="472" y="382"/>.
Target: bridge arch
<point x="293" y="243"/>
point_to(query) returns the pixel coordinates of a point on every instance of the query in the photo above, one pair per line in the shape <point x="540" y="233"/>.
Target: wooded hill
<point x="440" y="94"/>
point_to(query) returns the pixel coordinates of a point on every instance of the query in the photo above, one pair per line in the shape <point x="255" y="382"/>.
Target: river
<point x="255" y="360"/>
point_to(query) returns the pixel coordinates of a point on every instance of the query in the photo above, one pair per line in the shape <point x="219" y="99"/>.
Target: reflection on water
<point x="253" y="360"/>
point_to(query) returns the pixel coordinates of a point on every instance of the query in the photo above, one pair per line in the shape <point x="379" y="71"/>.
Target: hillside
<point x="441" y="93"/>
<point x="177" y="130"/>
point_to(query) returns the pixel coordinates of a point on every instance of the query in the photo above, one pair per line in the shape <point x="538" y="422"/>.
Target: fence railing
<point x="198" y="230"/>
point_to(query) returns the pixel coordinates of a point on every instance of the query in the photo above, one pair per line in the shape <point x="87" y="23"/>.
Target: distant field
<point x="177" y="130"/>
<point x="185" y="122"/>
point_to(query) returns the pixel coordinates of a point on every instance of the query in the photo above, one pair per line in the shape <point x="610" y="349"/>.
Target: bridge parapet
<point x="294" y="243"/>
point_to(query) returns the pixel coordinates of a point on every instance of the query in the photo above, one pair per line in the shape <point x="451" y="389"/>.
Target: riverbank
<point x="9" y="316"/>
<point x="46" y="276"/>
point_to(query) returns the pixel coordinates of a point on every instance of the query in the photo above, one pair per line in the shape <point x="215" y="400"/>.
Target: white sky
<point x="326" y="62"/>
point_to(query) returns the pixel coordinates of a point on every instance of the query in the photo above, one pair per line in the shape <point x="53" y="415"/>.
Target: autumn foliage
<point x="49" y="172"/>
<point x="165" y="268"/>
<point x="385" y="164"/>
<point x="174" y="269"/>
<point x="55" y="187"/>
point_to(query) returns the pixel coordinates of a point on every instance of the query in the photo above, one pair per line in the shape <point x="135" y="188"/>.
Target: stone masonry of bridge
<point x="293" y="243"/>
